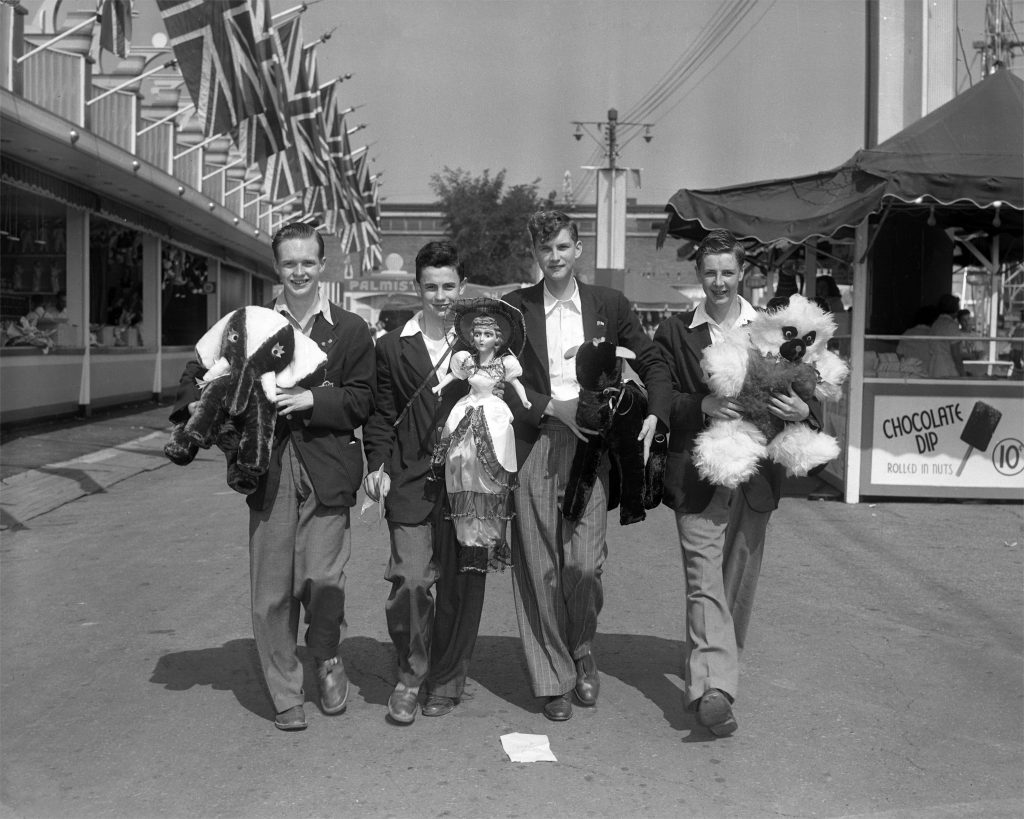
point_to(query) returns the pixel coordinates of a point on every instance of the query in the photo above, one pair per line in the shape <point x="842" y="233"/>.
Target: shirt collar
<point x="700" y="315"/>
<point x="550" y="302"/>
<point x="412" y="328"/>
<point x="323" y="305"/>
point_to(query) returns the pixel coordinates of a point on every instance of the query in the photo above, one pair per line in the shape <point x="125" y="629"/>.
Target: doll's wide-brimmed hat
<point x="464" y="312"/>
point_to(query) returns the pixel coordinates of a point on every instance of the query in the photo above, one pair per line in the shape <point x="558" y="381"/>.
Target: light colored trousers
<point x="298" y="549"/>
<point x="722" y="548"/>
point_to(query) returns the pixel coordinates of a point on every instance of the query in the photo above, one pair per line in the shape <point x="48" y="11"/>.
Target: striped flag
<point x="215" y="46"/>
<point x="300" y="166"/>
<point x="116" y="28"/>
<point x="267" y="133"/>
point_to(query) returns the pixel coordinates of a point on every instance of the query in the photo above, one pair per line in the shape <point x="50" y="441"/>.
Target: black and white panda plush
<point x="780" y="349"/>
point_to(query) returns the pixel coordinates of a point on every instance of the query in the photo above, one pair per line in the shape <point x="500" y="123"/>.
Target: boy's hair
<point x="545" y="224"/>
<point x="719" y="241"/>
<point x="298" y="230"/>
<point x="438" y="254"/>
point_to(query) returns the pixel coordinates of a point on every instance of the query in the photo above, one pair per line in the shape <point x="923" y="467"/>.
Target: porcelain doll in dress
<point x="477" y="444"/>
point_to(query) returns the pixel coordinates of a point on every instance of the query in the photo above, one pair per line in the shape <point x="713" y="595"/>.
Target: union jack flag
<point x="116" y="28"/>
<point x="214" y="43"/>
<point x="267" y="133"/>
<point x="301" y="165"/>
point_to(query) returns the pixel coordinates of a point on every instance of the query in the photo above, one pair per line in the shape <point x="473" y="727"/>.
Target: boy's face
<point x="557" y="256"/>
<point x="720" y="276"/>
<point x="438" y="287"/>
<point x="299" y="266"/>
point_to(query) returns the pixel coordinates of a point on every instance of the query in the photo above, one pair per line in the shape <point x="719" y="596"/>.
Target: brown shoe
<point x="715" y="713"/>
<point x="402" y="704"/>
<point x="558" y="709"/>
<point x="333" y="684"/>
<point x="294" y="719"/>
<point x="588" y="683"/>
<point x="437" y="706"/>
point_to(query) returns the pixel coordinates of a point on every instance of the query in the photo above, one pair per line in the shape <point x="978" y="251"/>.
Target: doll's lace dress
<point x="480" y="464"/>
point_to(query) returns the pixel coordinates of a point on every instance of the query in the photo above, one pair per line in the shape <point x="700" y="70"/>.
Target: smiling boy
<point x="557" y="563"/>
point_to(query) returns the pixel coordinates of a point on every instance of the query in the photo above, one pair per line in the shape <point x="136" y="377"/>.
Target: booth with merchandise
<point x="935" y="209"/>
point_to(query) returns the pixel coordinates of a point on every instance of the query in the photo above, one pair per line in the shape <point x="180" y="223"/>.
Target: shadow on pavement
<point x="232" y="667"/>
<point x="370" y="666"/>
<point x="644" y="663"/>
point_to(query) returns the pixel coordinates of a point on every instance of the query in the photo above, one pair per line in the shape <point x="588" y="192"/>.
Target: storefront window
<point x="33" y="275"/>
<point x="185" y="291"/>
<point x="115" y="284"/>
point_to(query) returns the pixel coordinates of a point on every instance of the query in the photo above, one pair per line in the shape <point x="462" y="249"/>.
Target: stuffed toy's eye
<point x="233" y="336"/>
<point x="809" y="338"/>
<point x="789" y="333"/>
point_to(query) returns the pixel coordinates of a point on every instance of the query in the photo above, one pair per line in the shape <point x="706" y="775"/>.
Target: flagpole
<point x="50" y="43"/>
<point x="168" y="118"/>
<point x="132" y="81"/>
<point x="329" y="83"/>
<point x="198" y="145"/>
<point x="293" y="10"/>
<point x="223" y="168"/>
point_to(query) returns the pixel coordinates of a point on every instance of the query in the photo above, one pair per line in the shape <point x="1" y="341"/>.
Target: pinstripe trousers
<point x="556" y="564"/>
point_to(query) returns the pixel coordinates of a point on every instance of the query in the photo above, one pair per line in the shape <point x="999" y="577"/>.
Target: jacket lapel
<point x="416" y="359"/>
<point x="595" y="322"/>
<point x="536" y="328"/>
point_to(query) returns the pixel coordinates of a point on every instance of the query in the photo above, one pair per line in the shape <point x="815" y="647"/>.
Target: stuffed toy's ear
<point x="306" y="360"/>
<point x="208" y="348"/>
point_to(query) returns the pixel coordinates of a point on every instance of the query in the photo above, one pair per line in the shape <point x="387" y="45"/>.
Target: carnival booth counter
<point x="940" y="201"/>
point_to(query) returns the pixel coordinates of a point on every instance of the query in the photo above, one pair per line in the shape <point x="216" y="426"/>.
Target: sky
<point x="496" y="84"/>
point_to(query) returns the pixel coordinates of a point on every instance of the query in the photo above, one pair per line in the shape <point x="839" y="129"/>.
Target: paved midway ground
<point x="882" y="678"/>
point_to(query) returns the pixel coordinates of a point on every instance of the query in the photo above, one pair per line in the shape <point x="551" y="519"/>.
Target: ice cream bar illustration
<point x="978" y="430"/>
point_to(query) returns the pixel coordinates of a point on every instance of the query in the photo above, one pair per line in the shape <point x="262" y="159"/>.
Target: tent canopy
<point x="965" y="154"/>
<point x="651" y="294"/>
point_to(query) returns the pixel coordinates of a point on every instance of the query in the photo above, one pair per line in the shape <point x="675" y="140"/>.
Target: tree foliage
<point x="487" y="222"/>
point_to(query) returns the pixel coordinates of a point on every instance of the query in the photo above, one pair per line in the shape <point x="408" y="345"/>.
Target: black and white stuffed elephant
<point x="247" y="355"/>
<point x="617" y="409"/>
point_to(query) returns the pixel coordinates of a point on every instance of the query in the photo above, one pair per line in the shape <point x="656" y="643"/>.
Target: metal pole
<point x="198" y="145"/>
<point x="50" y="43"/>
<point x="162" y="120"/>
<point x="132" y="81"/>
<point x="613" y="121"/>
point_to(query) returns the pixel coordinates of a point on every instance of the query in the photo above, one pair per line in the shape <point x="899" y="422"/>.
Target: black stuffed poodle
<point x="617" y="409"/>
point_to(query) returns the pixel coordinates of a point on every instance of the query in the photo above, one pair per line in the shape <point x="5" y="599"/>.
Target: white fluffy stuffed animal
<point x="777" y="350"/>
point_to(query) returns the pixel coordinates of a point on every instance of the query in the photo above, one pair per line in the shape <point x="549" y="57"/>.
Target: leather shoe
<point x="402" y="704"/>
<point x="588" y="683"/>
<point x="714" y="712"/>
<point x="333" y="683"/>
<point x="558" y="709"/>
<point x="437" y="706"/>
<point x="294" y="719"/>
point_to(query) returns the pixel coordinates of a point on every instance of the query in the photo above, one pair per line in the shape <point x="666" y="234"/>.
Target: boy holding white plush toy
<point x="721" y="528"/>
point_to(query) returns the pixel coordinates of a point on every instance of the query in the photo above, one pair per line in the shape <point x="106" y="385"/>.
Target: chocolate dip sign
<point x="947" y="441"/>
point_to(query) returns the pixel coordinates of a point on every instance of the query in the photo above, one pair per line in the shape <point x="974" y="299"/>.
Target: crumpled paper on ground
<point x="527" y="748"/>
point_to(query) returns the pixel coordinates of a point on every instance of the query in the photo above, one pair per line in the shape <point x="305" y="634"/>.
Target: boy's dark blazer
<point x="402" y="365"/>
<point x="324" y="436"/>
<point x="685" y="490"/>
<point x="606" y="313"/>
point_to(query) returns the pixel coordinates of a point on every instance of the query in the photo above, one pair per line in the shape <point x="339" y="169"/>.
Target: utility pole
<point x="1001" y="40"/>
<point x="610" y="260"/>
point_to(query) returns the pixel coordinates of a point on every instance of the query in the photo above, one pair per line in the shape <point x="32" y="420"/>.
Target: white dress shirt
<point x="321" y="306"/>
<point x="700" y="316"/>
<point x="563" y="321"/>
<point x="436" y="348"/>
